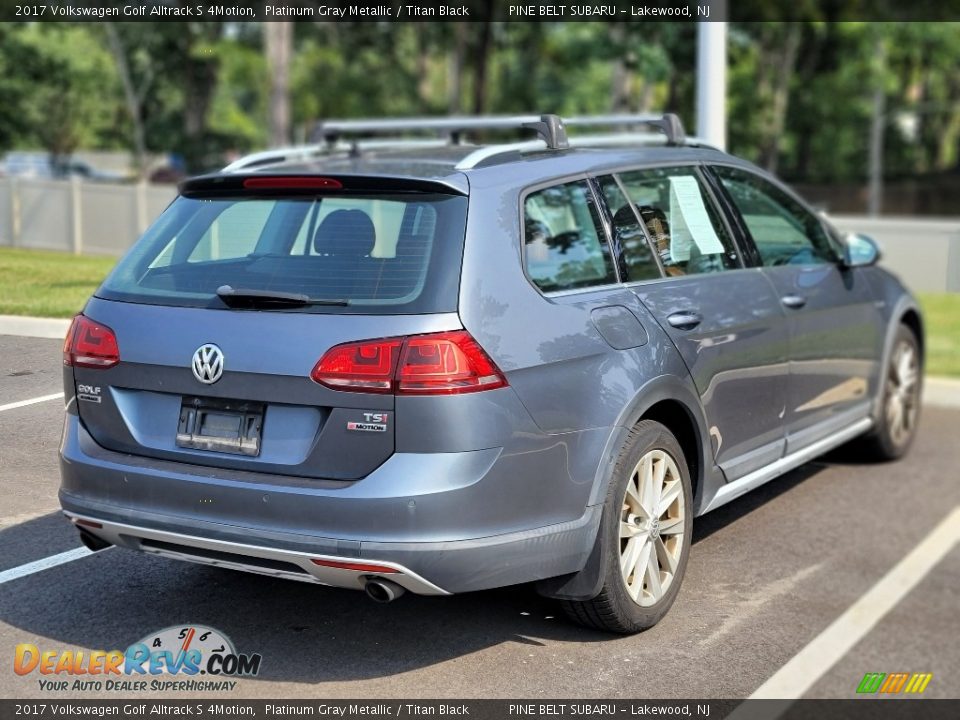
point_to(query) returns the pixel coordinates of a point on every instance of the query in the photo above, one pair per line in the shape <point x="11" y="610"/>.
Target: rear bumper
<point x="275" y="562"/>
<point x="436" y="528"/>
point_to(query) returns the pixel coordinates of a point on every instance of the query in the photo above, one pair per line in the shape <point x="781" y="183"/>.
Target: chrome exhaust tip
<point x="383" y="591"/>
<point x="92" y="542"/>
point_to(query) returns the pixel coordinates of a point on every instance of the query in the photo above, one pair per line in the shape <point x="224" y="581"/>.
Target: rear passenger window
<point x="682" y="224"/>
<point x="628" y="234"/>
<point x="566" y="246"/>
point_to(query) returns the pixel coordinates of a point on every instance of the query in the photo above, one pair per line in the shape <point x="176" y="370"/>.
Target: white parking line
<point x="810" y="664"/>
<point x="31" y="401"/>
<point x="44" y="564"/>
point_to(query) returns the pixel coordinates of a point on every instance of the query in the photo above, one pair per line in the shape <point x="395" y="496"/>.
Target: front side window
<point x="683" y="225"/>
<point x="565" y="243"/>
<point x="784" y="232"/>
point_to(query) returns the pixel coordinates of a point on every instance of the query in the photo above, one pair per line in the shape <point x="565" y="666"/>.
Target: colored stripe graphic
<point x="893" y="683"/>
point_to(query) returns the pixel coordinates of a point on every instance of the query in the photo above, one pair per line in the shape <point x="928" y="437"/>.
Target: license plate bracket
<point x="225" y="426"/>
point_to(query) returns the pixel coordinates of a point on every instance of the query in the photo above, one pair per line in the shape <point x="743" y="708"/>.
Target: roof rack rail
<point x="329" y="136"/>
<point x="548" y="127"/>
<point x="306" y="152"/>
<point x="668" y="123"/>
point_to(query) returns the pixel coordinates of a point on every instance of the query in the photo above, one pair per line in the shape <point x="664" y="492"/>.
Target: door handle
<point x="684" y="320"/>
<point x="793" y="301"/>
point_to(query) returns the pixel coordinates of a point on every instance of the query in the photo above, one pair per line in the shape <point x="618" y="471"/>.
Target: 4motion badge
<point x="372" y="422"/>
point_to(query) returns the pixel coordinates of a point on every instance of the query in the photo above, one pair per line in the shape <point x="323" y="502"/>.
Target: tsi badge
<point x="372" y="422"/>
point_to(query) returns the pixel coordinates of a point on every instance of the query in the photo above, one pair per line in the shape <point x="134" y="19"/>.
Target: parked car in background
<point x="44" y="166"/>
<point x="450" y="367"/>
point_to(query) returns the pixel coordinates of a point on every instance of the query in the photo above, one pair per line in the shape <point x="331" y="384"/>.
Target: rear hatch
<point x="200" y="345"/>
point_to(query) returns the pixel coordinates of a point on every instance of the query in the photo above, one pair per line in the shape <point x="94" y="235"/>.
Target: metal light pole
<point x="712" y="77"/>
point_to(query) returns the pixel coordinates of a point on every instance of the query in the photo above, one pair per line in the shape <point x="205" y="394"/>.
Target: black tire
<point x="889" y="440"/>
<point x="614" y="609"/>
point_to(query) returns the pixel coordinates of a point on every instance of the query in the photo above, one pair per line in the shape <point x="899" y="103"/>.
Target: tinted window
<point x="681" y="222"/>
<point x="784" y="232"/>
<point x="565" y="242"/>
<point x="396" y="253"/>
<point x="628" y="235"/>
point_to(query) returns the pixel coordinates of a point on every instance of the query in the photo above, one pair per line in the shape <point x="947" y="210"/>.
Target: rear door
<point x="835" y="327"/>
<point x="724" y="319"/>
<point x="225" y="306"/>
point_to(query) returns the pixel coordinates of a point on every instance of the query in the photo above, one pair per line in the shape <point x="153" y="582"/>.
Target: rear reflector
<point x="359" y="567"/>
<point x="89" y="344"/>
<point x="292" y="183"/>
<point x="445" y="363"/>
<point x="87" y="523"/>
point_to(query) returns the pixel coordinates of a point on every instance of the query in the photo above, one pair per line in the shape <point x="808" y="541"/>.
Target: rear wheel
<point x="900" y="409"/>
<point x="647" y="521"/>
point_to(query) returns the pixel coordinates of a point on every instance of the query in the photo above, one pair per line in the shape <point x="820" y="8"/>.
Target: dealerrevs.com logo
<point x="168" y="660"/>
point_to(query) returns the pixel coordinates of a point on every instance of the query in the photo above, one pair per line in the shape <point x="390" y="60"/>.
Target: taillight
<point x="89" y="344"/>
<point x="366" y="366"/>
<point x="445" y="363"/>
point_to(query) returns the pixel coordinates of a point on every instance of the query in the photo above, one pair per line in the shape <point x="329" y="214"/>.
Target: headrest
<point x="345" y="232"/>
<point x="535" y="230"/>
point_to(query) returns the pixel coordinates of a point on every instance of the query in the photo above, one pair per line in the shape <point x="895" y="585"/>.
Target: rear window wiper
<point x="260" y="299"/>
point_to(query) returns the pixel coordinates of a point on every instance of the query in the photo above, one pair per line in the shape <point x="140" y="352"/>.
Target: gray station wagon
<point x="393" y="363"/>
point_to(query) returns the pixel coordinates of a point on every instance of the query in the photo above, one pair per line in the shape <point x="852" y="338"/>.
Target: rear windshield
<point x="366" y="253"/>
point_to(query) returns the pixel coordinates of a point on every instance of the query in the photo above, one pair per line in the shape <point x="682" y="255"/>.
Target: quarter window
<point x="566" y="245"/>
<point x="683" y="225"/>
<point x="784" y="232"/>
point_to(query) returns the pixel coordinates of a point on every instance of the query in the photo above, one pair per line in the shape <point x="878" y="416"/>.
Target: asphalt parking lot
<point x="768" y="574"/>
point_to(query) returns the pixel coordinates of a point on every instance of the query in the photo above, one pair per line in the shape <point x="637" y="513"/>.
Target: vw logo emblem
<point x="208" y="363"/>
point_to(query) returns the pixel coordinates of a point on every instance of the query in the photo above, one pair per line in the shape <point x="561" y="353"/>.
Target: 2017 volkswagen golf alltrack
<point x="425" y="365"/>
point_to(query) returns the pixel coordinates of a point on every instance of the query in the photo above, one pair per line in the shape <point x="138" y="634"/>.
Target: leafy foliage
<point x="800" y="99"/>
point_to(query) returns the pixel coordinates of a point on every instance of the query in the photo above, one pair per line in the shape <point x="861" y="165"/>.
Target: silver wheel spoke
<point x="666" y="558"/>
<point x="671" y="526"/>
<point x="632" y="499"/>
<point x="670" y="493"/>
<point x="630" y="555"/>
<point x="629" y="530"/>
<point x="648" y="494"/>
<point x="636" y="571"/>
<point x="653" y="577"/>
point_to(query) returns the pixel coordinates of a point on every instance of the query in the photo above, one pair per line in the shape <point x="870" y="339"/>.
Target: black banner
<point x="481" y="10"/>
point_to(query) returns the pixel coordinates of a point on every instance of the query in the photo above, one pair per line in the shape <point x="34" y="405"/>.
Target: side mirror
<point x="860" y="250"/>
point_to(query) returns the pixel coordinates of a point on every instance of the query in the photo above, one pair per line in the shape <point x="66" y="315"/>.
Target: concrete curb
<point x="53" y="328"/>
<point x="941" y="392"/>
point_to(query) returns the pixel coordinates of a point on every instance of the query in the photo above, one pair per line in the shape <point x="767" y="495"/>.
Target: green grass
<point x="941" y="315"/>
<point x="48" y="284"/>
<point x="51" y="284"/>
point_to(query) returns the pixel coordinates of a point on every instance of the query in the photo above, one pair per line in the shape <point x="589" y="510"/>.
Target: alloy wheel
<point x="902" y="393"/>
<point x="652" y="521"/>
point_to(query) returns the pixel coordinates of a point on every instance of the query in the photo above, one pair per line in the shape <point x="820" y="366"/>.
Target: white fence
<point x="924" y="252"/>
<point x="77" y="216"/>
<point x="105" y="219"/>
